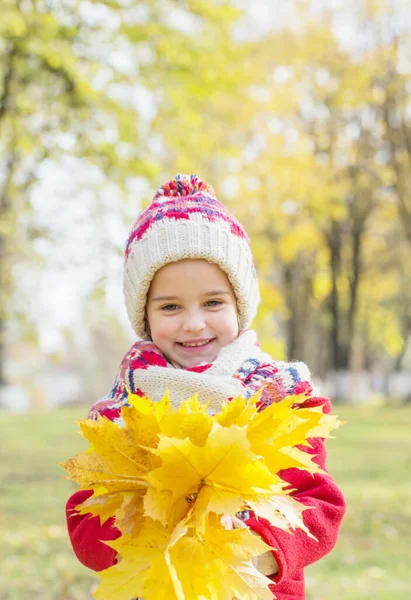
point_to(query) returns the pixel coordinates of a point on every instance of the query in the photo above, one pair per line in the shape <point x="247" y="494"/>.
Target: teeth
<point x="195" y="344"/>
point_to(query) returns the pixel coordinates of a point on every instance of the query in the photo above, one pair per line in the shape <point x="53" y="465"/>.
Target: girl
<point x="191" y="293"/>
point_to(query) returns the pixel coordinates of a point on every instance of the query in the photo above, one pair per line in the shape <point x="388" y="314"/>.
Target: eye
<point x="169" y="307"/>
<point x="213" y="303"/>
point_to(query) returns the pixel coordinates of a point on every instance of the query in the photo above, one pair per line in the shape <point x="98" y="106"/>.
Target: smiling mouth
<point x="198" y="344"/>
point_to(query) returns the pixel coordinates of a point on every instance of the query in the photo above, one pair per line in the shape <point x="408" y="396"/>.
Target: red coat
<point x="294" y="551"/>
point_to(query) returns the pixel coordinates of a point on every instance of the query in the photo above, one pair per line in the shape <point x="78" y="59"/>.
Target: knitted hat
<point x="185" y="220"/>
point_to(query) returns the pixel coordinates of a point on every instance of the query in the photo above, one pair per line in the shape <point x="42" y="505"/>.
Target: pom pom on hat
<point x="184" y="185"/>
<point x="186" y="221"/>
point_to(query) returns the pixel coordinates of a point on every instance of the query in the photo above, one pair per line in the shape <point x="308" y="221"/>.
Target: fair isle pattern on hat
<point x="180" y="198"/>
<point x="185" y="220"/>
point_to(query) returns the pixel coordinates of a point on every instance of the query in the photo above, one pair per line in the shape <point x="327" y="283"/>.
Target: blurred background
<point x="298" y="113"/>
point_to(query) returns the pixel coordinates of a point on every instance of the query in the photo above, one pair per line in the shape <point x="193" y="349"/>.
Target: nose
<point x="194" y="322"/>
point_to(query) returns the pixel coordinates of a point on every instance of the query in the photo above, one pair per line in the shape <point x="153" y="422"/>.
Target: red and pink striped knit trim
<point x="179" y="199"/>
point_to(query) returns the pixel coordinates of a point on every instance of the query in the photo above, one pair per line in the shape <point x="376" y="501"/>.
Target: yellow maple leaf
<point x="239" y="411"/>
<point x="103" y="505"/>
<point x="189" y="421"/>
<point x="220" y="564"/>
<point x="224" y="471"/>
<point x="115" y="462"/>
<point x="275" y="431"/>
<point x="130" y="514"/>
<point x="142" y="564"/>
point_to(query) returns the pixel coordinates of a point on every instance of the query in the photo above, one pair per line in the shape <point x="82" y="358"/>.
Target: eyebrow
<point x="170" y="298"/>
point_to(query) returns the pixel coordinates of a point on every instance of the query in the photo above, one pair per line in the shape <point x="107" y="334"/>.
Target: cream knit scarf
<point x="241" y="368"/>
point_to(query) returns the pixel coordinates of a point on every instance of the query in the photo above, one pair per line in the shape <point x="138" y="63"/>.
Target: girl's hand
<point x="265" y="563"/>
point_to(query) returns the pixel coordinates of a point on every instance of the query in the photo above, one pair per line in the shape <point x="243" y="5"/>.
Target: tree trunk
<point x="333" y="238"/>
<point x="292" y="320"/>
<point x="298" y="291"/>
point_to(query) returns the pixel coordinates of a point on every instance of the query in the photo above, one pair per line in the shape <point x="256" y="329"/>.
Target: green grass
<point x="370" y="458"/>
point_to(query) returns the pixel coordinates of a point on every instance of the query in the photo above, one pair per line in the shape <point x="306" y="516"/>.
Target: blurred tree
<point x="322" y="179"/>
<point x="85" y="80"/>
<point x="49" y="106"/>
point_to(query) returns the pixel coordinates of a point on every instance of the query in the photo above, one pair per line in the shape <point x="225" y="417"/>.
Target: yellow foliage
<point x="321" y="285"/>
<point x="154" y="565"/>
<point x="302" y="237"/>
<point x="169" y="476"/>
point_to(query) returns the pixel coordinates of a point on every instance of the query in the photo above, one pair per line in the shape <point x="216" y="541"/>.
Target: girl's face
<point x="191" y="312"/>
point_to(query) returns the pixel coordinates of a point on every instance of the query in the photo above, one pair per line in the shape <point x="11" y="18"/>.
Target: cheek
<point x="162" y="327"/>
<point x="227" y="323"/>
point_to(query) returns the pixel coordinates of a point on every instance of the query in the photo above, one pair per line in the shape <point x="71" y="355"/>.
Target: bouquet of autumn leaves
<point x="172" y="477"/>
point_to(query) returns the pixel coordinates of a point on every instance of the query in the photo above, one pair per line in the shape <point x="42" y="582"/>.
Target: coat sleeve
<point x="86" y="534"/>
<point x="296" y="550"/>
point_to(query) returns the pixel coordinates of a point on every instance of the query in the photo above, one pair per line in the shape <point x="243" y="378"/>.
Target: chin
<point x="195" y="362"/>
